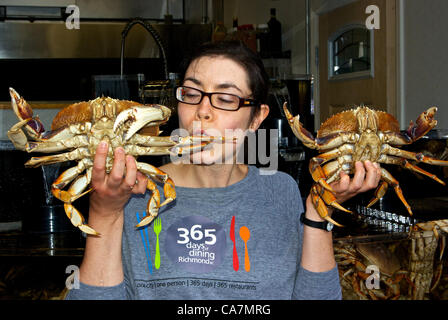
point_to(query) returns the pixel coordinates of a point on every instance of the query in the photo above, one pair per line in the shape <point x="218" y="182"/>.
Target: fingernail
<point x="103" y="145"/>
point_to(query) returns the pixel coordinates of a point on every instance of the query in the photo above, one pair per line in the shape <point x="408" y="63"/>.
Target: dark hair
<point x="242" y="55"/>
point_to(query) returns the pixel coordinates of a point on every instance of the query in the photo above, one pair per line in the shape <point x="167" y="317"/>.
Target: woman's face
<point x="217" y="74"/>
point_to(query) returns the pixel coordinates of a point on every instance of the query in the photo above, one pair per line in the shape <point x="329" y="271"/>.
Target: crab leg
<point x="320" y="206"/>
<point x="23" y="110"/>
<point x="152" y="208"/>
<point x="422" y="125"/>
<point x="386" y="176"/>
<point x="66" y="177"/>
<point x="53" y="146"/>
<point x="379" y="193"/>
<point x="72" y="155"/>
<point x="407" y="165"/>
<point x="73" y="214"/>
<point x="346" y="149"/>
<point x="329" y="198"/>
<point x="74" y="192"/>
<point x="154" y="202"/>
<point x="189" y="145"/>
<point x="299" y="131"/>
<point x="414" y="156"/>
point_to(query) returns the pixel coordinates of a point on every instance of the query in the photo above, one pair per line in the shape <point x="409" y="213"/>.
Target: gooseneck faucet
<point x="155" y="36"/>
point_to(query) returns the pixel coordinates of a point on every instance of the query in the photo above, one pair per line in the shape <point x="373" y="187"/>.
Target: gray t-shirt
<point x="199" y="259"/>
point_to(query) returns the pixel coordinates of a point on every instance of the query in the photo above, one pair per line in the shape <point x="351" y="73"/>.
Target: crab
<point x="79" y="128"/>
<point x="358" y="135"/>
<point x="358" y="257"/>
<point x="426" y="237"/>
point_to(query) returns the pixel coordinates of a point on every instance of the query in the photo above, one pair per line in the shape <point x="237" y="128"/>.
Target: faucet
<point x="152" y="32"/>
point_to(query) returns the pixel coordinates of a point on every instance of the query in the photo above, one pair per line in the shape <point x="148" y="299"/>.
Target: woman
<point x="231" y="233"/>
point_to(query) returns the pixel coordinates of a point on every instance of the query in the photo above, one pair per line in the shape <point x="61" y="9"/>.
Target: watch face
<point x="330" y="226"/>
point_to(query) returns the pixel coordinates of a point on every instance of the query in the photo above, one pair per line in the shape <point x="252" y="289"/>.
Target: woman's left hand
<point x="367" y="176"/>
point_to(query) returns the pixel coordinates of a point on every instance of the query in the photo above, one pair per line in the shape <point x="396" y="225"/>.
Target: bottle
<point x="263" y="44"/>
<point x="275" y="35"/>
<point x="220" y="32"/>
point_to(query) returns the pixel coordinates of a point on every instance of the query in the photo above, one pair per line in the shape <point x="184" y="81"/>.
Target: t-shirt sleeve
<point x="88" y="292"/>
<point x="317" y="285"/>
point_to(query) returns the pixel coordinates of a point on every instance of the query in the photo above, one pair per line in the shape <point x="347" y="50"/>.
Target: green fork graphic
<point x="157" y="229"/>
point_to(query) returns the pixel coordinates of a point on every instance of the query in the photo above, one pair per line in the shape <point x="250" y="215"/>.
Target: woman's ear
<point x="259" y="117"/>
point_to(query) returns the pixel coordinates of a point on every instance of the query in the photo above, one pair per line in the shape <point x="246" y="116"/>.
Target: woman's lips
<point x="200" y="133"/>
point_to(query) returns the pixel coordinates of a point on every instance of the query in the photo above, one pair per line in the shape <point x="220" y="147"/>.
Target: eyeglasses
<point x="218" y="100"/>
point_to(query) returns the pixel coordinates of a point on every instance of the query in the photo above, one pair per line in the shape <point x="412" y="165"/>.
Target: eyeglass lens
<point x="219" y="100"/>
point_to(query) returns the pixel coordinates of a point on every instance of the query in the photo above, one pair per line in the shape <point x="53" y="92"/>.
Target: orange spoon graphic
<point x="245" y="235"/>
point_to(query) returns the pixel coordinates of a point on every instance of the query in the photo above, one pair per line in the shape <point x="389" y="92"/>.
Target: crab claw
<point x="23" y="110"/>
<point x="423" y="124"/>
<point x="133" y="119"/>
<point x="297" y="128"/>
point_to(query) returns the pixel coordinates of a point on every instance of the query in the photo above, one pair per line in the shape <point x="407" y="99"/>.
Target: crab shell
<point x="347" y="121"/>
<point x="82" y="112"/>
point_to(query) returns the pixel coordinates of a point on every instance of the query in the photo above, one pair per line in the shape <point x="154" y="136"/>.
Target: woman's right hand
<point x="112" y="191"/>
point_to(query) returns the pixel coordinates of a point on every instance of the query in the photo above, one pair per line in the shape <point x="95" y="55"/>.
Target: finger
<point x="118" y="168"/>
<point x="99" y="164"/>
<point x="358" y="178"/>
<point x="372" y="177"/>
<point x="378" y="169"/>
<point x="131" y="173"/>
<point x="140" y="187"/>
<point x="343" y="183"/>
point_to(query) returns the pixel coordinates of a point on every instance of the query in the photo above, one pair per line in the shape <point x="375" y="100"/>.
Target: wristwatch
<point x="324" y="225"/>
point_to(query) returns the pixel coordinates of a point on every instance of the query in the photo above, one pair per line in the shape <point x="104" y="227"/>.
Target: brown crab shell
<point x="346" y="121"/>
<point x="81" y="112"/>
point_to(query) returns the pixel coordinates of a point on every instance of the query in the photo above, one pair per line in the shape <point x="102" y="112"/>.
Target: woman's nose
<point x="205" y="109"/>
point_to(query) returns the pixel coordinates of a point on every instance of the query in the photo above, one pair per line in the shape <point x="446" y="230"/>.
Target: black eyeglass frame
<point x="243" y="102"/>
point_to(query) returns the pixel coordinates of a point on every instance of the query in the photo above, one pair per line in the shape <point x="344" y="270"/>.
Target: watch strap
<point x="324" y="225"/>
